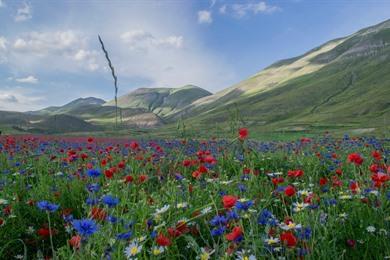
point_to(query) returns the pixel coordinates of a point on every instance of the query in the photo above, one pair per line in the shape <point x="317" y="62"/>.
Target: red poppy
<point x="243" y="133"/>
<point x="75" y="242"/>
<point x="162" y="240"/>
<point x="377" y="155"/>
<point x="187" y="163"/>
<point x="323" y="181"/>
<point x="108" y="173"/>
<point x="98" y="213"/>
<point x="45" y="232"/>
<point x="288" y="239"/>
<point x="351" y="243"/>
<point x="128" y="179"/>
<point x="379" y="178"/>
<point x="229" y="201"/>
<point x="295" y="173"/>
<point x="180" y="229"/>
<point x="354" y="187"/>
<point x="374" y="168"/>
<point x="196" y="174"/>
<point x="235" y="234"/>
<point x="210" y="159"/>
<point x="289" y="191"/>
<point x="121" y="165"/>
<point x="355" y="158"/>
<point x="143" y="178"/>
<point x="202" y="169"/>
<point x="277" y="180"/>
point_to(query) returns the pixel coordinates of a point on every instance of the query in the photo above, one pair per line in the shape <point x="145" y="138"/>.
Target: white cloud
<point x="89" y="58"/>
<point x="222" y="9"/>
<point x="30" y="80"/>
<point x="2" y="3"/>
<point x="54" y="50"/>
<point x="241" y="10"/>
<point x="8" y="98"/>
<point x="204" y="16"/>
<point x="23" y="13"/>
<point x="3" y="43"/>
<point x="140" y="39"/>
<point x="45" y="42"/>
<point x="19" y="99"/>
<point x="3" y="49"/>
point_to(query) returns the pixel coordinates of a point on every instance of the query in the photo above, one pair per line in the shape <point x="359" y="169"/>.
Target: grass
<point x="339" y="221"/>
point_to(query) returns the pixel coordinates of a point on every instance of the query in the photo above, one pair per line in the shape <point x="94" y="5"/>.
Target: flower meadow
<point x="101" y="198"/>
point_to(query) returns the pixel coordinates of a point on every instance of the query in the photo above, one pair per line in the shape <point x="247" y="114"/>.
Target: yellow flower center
<point x="156" y="251"/>
<point x="133" y="250"/>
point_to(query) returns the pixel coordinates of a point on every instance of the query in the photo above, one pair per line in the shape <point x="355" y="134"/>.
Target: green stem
<point x="51" y="235"/>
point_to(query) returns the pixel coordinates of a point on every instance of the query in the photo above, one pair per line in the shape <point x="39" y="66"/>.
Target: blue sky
<point x="50" y="55"/>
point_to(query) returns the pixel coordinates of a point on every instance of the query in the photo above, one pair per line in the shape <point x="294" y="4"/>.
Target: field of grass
<point x="104" y="198"/>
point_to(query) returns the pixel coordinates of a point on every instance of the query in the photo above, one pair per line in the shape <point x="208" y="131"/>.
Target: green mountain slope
<point x="161" y="101"/>
<point x="71" y="107"/>
<point x="345" y="81"/>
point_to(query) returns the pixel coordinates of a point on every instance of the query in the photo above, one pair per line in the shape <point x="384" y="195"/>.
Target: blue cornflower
<point x="93" y="173"/>
<point x="45" y="205"/>
<point x="304" y="233"/>
<point x="110" y="201"/>
<point x="93" y="187"/>
<point x="222" y="193"/>
<point x="179" y="177"/>
<point x="149" y="222"/>
<point x="85" y="227"/>
<point x="68" y="218"/>
<point x="266" y="217"/>
<point x="112" y="219"/>
<point x="218" y="231"/>
<point x="91" y="201"/>
<point x="330" y="202"/>
<point x="388" y="195"/>
<point x="302" y="252"/>
<point x="232" y="215"/>
<point x="124" y="236"/>
<point x="218" y="221"/>
<point x="244" y="205"/>
<point x="153" y="234"/>
<point x="241" y="187"/>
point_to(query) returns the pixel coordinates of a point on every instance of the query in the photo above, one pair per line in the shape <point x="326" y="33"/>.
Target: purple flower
<point x="47" y="206"/>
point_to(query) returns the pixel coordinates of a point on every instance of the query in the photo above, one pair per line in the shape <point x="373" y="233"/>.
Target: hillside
<point x="161" y="101"/>
<point x="344" y="81"/>
<point x="74" y="106"/>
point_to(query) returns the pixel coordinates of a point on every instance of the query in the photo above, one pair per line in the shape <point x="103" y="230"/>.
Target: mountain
<point x="63" y="123"/>
<point x="72" y="107"/>
<point x="345" y="81"/>
<point x="142" y="108"/>
<point x="161" y="101"/>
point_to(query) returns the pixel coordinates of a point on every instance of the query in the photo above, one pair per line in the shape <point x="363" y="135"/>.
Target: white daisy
<point x="290" y="226"/>
<point x="370" y="229"/>
<point x="132" y="250"/>
<point x="206" y="210"/>
<point x="297" y="206"/>
<point x="272" y="240"/>
<point x="157" y="250"/>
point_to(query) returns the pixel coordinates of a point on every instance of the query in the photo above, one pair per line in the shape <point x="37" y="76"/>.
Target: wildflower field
<point x="100" y="198"/>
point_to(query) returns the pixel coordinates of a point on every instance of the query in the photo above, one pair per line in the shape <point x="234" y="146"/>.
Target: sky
<point x="50" y="53"/>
